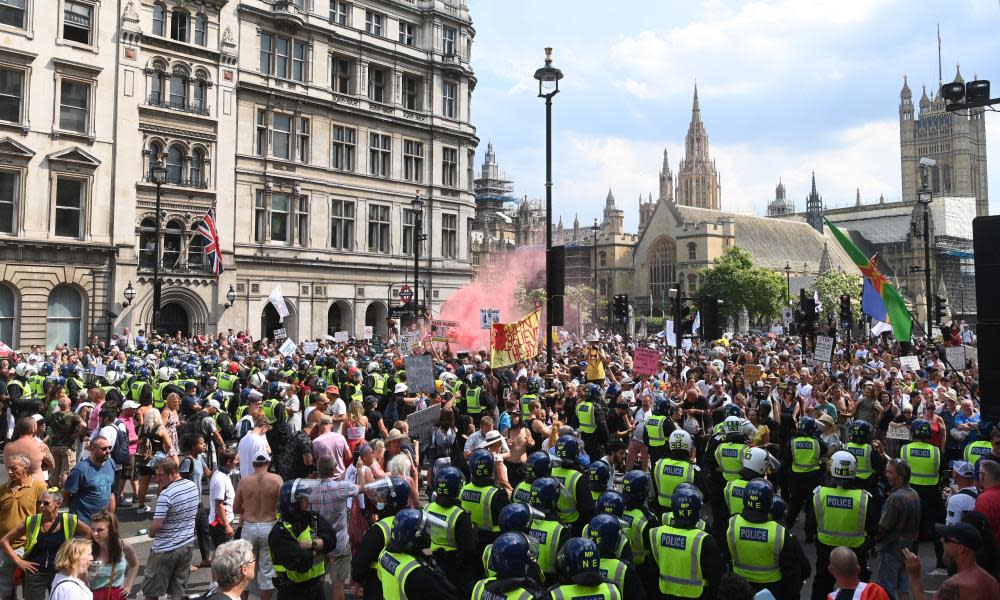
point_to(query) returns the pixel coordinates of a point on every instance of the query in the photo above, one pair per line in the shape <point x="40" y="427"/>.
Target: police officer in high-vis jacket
<point x="590" y="419"/>
<point x="364" y="563"/>
<point x="756" y="465"/>
<point x="454" y="546"/>
<point x="638" y="520"/>
<point x="580" y="573"/>
<point x="925" y="465"/>
<point x="654" y="434"/>
<point x="982" y="446"/>
<point x="676" y="468"/>
<point x="515" y="518"/>
<point x="844" y="517"/>
<point x="481" y="498"/>
<point x="575" y="503"/>
<point x="403" y="570"/>
<point x="871" y="463"/>
<point x="762" y="551"/>
<point x="538" y="465"/>
<point x="688" y="560"/>
<point x="299" y="542"/>
<point x="511" y="562"/>
<point x="803" y="455"/>
<point x="606" y="533"/>
<point x="546" y="530"/>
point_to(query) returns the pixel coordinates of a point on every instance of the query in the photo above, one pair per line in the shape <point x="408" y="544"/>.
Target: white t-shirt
<point x="220" y="487"/>
<point x="294" y="410"/>
<point x="958" y="505"/>
<point x="110" y="433"/>
<point x="249" y="447"/>
<point x="338" y="409"/>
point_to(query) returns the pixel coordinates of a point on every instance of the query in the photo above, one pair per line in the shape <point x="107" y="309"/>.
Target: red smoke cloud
<point x="525" y="263"/>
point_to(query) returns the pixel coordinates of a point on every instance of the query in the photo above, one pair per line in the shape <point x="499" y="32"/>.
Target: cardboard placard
<point x="440" y="330"/>
<point x="956" y="357"/>
<point x="488" y="316"/>
<point x="752" y="373"/>
<point x="280" y="334"/>
<point x="100" y="369"/>
<point x="409" y="341"/>
<point x="514" y="342"/>
<point x="288" y="348"/>
<point x="419" y="374"/>
<point x="824" y="349"/>
<point x="898" y="431"/>
<point x="645" y="361"/>
<point x="422" y="422"/>
<point x="369" y="332"/>
<point x="310" y="347"/>
<point x="909" y="363"/>
<point x="341" y="336"/>
<point x="377" y="345"/>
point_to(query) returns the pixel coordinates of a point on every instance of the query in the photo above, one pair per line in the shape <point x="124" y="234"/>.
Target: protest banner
<point x="421" y="424"/>
<point x="752" y="373"/>
<point x="645" y="361"/>
<point x="310" y="347"/>
<point x="909" y="363"/>
<point x="369" y="330"/>
<point x="488" y="316"/>
<point x="280" y="334"/>
<point x="514" y="342"/>
<point x="419" y="374"/>
<point x="288" y="348"/>
<point x="440" y="330"/>
<point x="341" y="336"/>
<point x="824" y="349"/>
<point x="956" y="357"/>
<point x="898" y="431"/>
<point x="377" y="345"/>
<point x="409" y="341"/>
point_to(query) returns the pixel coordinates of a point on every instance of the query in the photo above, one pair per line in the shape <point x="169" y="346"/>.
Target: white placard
<point x="956" y="357"/>
<point x="488" y="316"/>
<point x="686" y="344"/>
<point x="288" y="348"/>
<point x="778" y="330"/>
<point x="824" y="349"/>
<point x="408" y="341"/>
<point x="369" y="332"/>
<point x="100" y="369"/>
<point x="341" y="336"/>
<point x="909" y="363"/>
<point x="419" y="374"/>
<point x="310" y="347"/>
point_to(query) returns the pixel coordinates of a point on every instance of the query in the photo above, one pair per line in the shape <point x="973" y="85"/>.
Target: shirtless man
<point x="257" y="504"/>
<point x="24" y="442"/>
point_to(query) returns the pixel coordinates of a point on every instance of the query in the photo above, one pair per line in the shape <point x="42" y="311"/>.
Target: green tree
<point x="831" y="285"/>
<point x="734" y="279"/>
<point x="581" y="299"/>
<point x="526" y="298"/>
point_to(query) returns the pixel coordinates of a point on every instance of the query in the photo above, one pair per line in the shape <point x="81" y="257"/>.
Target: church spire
<point x="814" y="182"/>
<point x="695" y="107"/>
<point x="666" y="163"/>
<point x="609" y="202"/>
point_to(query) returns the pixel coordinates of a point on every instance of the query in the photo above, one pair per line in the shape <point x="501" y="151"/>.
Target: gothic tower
<point x="646" y="210"/>
<point x="614" y="217"/>
<point x="956" y="141"/>
<point x="666" y="180"/>
<point x="697" y="178"/>
<point x="814" y="207"/>
<point x="780" y="206"/>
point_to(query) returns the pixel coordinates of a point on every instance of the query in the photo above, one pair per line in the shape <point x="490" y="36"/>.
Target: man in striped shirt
<point x="172" y="530"/>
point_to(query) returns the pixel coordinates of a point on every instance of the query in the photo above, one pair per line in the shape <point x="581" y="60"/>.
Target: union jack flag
<point x="210" y="242"/>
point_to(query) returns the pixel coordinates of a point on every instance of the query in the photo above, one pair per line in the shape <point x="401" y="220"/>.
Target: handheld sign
<point x="488" y="316"/>
<point x="341" y="336"/>
<point x="824" y="349"/>
<point x="280" y="334"/>
<point x="645" y="361"/>
<point x="310" y="347"/>
<point x="419" y="374"/>
<point x="909" y="363"/>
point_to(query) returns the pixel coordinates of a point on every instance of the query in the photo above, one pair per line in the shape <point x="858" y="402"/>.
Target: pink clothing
<point x="95" y="418"/>
<point x="133" y="439"/>
<point x="335" y="445"/>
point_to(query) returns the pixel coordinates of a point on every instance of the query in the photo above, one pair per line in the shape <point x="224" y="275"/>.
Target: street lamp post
<point x="676" y="293"/>
<point x="594" y="228"/>
<point x="158" y="174"/>
<point x="924" y="196"/>
<point x="418" y="238"/>
<point x="548" y="86"/>
<point x="788" y="283"/>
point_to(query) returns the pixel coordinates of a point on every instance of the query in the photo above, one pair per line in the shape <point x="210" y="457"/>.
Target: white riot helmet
<point x="152" y="360"/>
<point x="111" y="377"/>
<point x="372" y="367"/>
<point x="732" y="426"/>
<point x="680" y="440"/>
<point x="448" y="377"/>
<point x="351" y="363"/>
<point x="258" y="380"/>
<point x="748" y="429"/>
<point x="163" y="373"/>
<point x="21" y="369"/>
<point x="755" y="459"/>
<point x="843" y="465"/>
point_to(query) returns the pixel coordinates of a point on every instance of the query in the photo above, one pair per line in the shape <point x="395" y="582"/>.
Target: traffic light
<point x="845" y="308"/>
<point x="620" y="306"/>
<point x="940" y="308"/>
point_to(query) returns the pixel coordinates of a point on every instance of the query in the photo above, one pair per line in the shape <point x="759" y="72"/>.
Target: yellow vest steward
<point x="734" y="495"/>
<point x="393" y="570"/>
<point x="805" y="454"/>
<point x="476" y="500"/>
<point x="670" y="473"/>
<point x="547" y="534"/>
<point x="472" y="405"/>
<point x="924" y="460"/>
<point x="977" y="450"/>
<point x="840" y="516"/>
<point x="567" y="499"/>
<point x="863" y="454"/>
<point x="678" y="555"/>
<point x="756" y="549"/>
<point x="444" y="539"/>
<point x="654" y="431"/>
<point x="729" y="457"/>
<point x="585" y="416"/>
<point x="318" y="568"/>
<point x="33" y="526"/>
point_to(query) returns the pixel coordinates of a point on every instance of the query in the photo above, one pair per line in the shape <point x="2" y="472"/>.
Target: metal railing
<point x="197" y="183"/>
<point x="159" y="101"/>
<point x="195" y="263"/>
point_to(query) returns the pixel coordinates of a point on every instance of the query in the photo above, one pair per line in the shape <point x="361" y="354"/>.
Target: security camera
<point x="927" y="162"/>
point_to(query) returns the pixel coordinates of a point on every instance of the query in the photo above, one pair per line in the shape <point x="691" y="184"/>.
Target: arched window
<point x="178" y="89"/>
<point x="692" y="283"/>
<point x="692" y="251"/>
<point x="64" y="320"/>
<point x="173" y="239"/>
<point x="603" y="260"/>
<point x="157" y="86"/>
<point x="195" y="168"/>
<point x="196" y="250"/>
<point x="7" y="316"/>
<point x="155" y="150"/>
<point x="946" y="172"/>
<point x="201" y="29"/>
<point x="200" y="92"/>
<point x="175" y="165"/>
<point x="147" y="243"/>
<point x="159" y="19"/>
<point x="662" y="267"/>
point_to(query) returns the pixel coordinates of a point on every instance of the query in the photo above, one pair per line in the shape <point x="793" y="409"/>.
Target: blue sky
<point x="786" y="87"/>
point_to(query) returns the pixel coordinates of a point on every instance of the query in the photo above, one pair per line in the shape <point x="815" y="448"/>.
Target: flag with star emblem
<point x="883" y="301"/>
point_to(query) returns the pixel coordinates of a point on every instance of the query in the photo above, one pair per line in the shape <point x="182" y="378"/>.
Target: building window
<point x="692" y="283"/>
<point x="266" y="53"/>
<point x="603" y="288"/>
<point x="281" y="136"/>
<point x="299" y="61"/>
<point x="410" y="95"/>
<point x="302" y="220"/>
<point x="378" y="229"/>
<point x="159" y="19"/>
<point x="77" y="22"/>
<point x="281" y="48"/>
<point x="199" y="105"/>
<point x="341" y="75"/>
<point x="71" y="197"/>
<point x="448" y="91"/>
<point x="7" y="316"/>
<point x="448" y="37"/>
<point x="409" y="229"/>
<point x="338" y="12"/>
<point x="379" y="155"/>
<point x="10" y="194"/>
<point x="662" y="268"/>
<point x="11" y="94"/>
<point x="344" y="142"/>
<point x="12" y="13"/>
<point x="74" y="101"/>
<point x="178" y="90"/>
<point x="261" y="132"/>
<point x="157" y="85"/>
<point x="603" y="259"/>
<point x="407" y="33"/>
<point x="376" y="84"/>
<point x="196" y="169"/>
<point x="260" y="217"/>
<point x="449" y="167"/>
<point x="280" y="213"/>
<point x="201" y="29"/>
<point x="692" y="251"/>
<point x="302" y="141"/>
<point x="179" y="25"/>
<point x="175" y="165"/>
<point x="449" y="236"/>
<point x="413" y="160"/>
<point x="64" y="318"/>
<point x="341" y="225"/>
<point x="373" y="22"/>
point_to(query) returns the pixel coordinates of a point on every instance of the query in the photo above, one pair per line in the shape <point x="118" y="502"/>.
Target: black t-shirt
<point x="701" y="404"/>
<point x="374" y="418"/>
<point x="616" y="423"/>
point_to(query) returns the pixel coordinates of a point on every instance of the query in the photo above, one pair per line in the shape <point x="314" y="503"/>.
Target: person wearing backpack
<point x="114" y="431"/>
<point x="204" y="423"/>
<point x="193" y="468"/>
<point x="964" y="500"/>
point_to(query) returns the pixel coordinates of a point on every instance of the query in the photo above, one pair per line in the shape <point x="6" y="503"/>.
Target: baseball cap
<point x="190" y="385"/>
<point x="37" y="417"/>
<point x="130" y="404"/>
<point x="962" y="468"/>
<point x="262" y="457"/>
<point x="215" y="404"/>
<point x="400" y="388"/>
<point x="332" y="389"/>
<point x="960" y="533"/>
